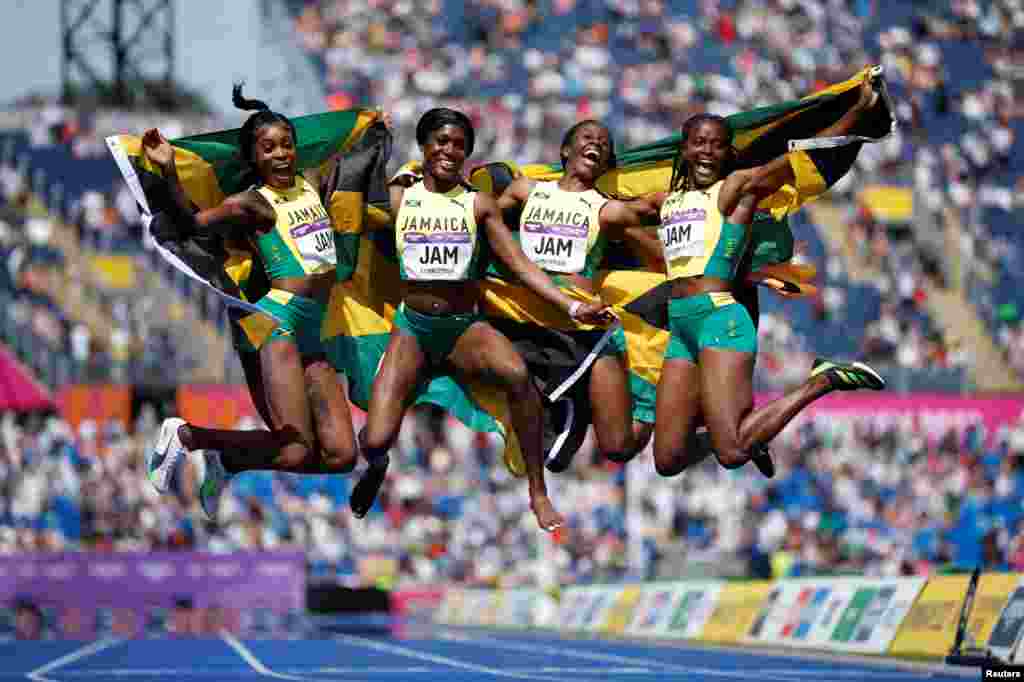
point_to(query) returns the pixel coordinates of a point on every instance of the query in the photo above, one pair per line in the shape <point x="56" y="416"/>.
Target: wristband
<point x="574" y="308"/>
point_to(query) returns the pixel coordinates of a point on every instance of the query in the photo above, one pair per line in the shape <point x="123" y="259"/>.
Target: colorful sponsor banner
<point x="696" y="604"/>
<point x="99" y="403"/>
<point x="935" y="413"/>
<point x="991" y="599"/>
<point x="843" y="614"/>
<point x="737" y="606"/>
<point x="621" y="612"/>
<point x="930" y="627"/>
<point x="655" y="608"/>
<point x="586" y="608"/>
<point x="215" y="406"/>
<point x="1007" y="628"/>
<point x="135" y="594"/>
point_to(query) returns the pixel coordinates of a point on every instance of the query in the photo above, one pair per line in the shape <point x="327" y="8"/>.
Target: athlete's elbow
<point x="764" y="182"/>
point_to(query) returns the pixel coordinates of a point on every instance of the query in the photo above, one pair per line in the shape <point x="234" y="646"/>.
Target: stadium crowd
<point x="850" y="495"/>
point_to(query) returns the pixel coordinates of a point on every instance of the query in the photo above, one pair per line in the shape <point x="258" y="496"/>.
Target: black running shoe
<point x="365" y="492"/>
<point x="762" y="459"/>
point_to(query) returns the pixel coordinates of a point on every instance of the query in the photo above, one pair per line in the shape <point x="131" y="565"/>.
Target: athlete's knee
<point x="515" y="375"/>
<point x="338" y="461"/>
<point x="617" y="446"/>
<point x="731" y="457"/>
<point x="295" y="456"/>
<point x="668" y="464"/>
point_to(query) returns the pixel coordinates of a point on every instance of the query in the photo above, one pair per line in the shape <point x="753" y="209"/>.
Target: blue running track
<point x="436" y="655"/>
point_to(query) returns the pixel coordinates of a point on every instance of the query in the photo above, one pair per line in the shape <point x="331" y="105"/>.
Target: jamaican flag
<point x="344" y="154"/>
<point x="349" y="165"/>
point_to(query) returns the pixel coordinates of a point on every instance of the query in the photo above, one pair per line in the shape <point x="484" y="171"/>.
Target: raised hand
<point x="158" y="150"/>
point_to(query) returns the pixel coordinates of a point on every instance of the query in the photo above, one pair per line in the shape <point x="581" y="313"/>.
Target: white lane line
<point x="440" y="660"/>
<point x="251" y="659"/>
<point x="494" y="643"/>
<point x="39" y="674"/>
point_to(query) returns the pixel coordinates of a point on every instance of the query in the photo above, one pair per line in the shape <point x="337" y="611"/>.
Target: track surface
<point x="448" y="654"/>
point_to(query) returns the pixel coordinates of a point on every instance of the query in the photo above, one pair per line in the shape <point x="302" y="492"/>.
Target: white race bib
<point x="441" y="256"/>
<point x="315" y="243"/>
<point x="559" y="248"/>
<point x="682" y="238"/>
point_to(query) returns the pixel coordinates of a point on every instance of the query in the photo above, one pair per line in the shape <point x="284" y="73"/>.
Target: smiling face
<point x="706" y="151"/>
<point x="589" y="152"/>
<point x="273" y="154"/>
<point x="444" y="154"/>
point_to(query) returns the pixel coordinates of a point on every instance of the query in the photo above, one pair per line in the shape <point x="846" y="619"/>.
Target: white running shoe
<point x="215" y="480"/>
<point x="163" y="458"/>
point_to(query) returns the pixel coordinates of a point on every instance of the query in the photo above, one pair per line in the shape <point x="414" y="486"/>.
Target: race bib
<point x="441" y="256"/>
<point x="559" y="248"/>
<point x="315" y="244"/>
<point x="683" y="235"/>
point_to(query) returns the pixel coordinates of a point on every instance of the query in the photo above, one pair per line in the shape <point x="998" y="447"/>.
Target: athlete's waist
<point x="316" y="287"/>
<point x="685" y="287"/>
<point x="442" y="298"/>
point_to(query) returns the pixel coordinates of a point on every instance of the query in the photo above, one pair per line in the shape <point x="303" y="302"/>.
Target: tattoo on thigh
<point x="318" y="401"/>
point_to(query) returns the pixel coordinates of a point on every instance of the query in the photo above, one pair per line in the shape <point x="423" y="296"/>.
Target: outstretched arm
<point x="242" y="209"/>
<point x="753" y="184"/>
<point x="630" y="220"/>
<point x="508" y="250"/>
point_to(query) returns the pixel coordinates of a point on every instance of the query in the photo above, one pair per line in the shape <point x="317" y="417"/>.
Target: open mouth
<point x="592" y="154"/>
<point x="446" y="165"/>
<point x="704" y="167"/>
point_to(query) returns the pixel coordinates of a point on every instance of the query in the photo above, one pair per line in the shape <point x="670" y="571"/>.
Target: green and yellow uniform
<point x="300" y="244"/>
<point x="437" y="240"/>
<point x="698" y="241"/>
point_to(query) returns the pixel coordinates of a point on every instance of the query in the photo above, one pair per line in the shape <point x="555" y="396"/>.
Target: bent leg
<point x="484" y="352"/>
<point x="676" y="408"/>
<point x="611" y="409"/>
<point x="332" y="418"/>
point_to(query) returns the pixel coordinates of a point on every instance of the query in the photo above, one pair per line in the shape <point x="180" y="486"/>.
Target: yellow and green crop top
<point x="301" y="242"/>
<point x="695" y="238"/>
<point x="436" y="235"/>
<point x="560" y="231"/>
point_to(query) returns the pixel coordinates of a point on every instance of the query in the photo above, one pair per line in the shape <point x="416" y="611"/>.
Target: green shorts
<point x="436" y="334"/>
<point x="708" y="321"/>
<point x="300" y="320"/>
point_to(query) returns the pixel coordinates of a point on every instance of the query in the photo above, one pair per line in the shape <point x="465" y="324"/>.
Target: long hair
<point x="263" y="117"/>
<point x="680" y="168"/>
<point x="570" y="137"/>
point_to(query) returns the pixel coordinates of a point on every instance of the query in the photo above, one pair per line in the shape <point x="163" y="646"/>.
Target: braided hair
<point x="680" y="168"/>
<point x="570" y="137"/>
<point x="263" y="117"/>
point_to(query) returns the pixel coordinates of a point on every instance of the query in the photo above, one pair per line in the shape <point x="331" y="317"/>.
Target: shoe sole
<point x="157" y="474"/>
<point x="875" y="375"/>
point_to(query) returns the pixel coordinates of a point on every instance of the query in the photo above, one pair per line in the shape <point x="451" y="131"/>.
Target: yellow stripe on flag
<point x="197" y="176"/>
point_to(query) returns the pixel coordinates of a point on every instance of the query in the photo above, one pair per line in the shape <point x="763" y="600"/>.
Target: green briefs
<point x="436" y="334"/>
<point x="300" y="317"/>
<point x="713" y="320"/>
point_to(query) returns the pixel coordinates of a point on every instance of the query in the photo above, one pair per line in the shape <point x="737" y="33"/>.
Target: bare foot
<point x="547" y="518"/>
